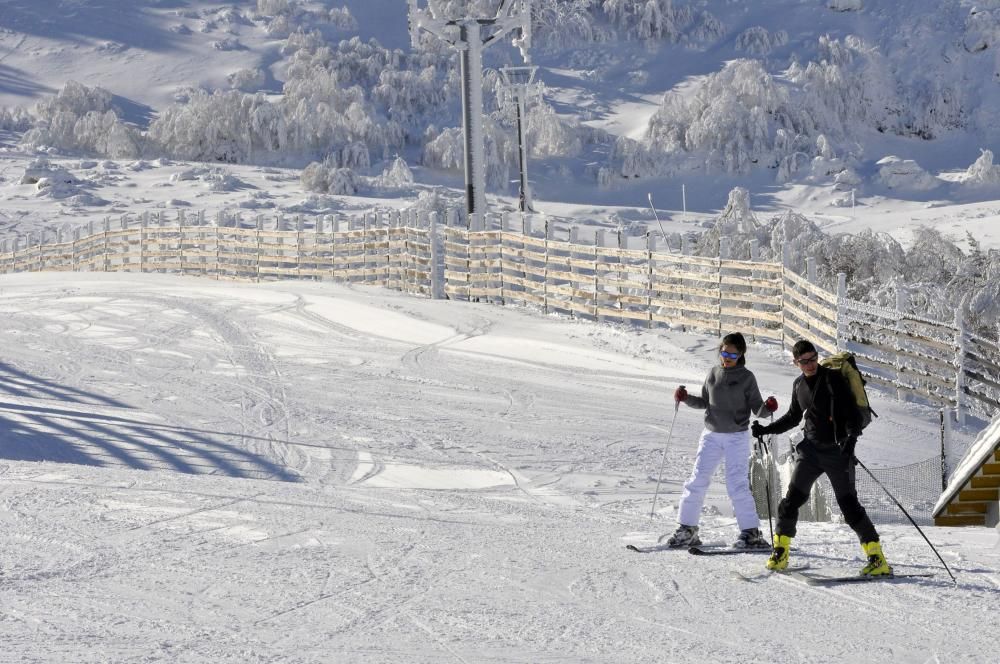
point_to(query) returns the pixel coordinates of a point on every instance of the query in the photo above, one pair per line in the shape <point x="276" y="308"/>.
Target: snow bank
<point x="905" y="175"/>
<point x="845" y="5"/>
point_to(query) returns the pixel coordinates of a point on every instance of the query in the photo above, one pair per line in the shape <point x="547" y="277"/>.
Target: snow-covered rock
<point x="320" y="204"/>
<point x="186" y="175"/>
<point x="220" y="182"/>
<point x="905" y="175"/>
<point x="86" y="199"/>
<point x="41" y="169"/>
<point x="846" y="180"/>
<point x="845" y="5"/>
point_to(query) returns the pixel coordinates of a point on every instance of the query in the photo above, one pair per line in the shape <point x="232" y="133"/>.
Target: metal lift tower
<point x="469" y="36"/>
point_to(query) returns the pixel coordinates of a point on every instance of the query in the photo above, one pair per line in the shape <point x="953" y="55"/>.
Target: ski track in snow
<point x="200" y="471"/>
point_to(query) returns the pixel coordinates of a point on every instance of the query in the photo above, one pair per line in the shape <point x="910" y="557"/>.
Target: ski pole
<point x="670" y="432"/>
<point x="767" y="481"/>
<point x="882" y="486"/>
<point x="656" y="216"/>
<point x="770" y="461"/>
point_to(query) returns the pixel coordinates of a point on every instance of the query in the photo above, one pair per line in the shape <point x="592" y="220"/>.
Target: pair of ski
<point x="798" y="573"/>
<point x="793" y="572"/>
<point x="699" y="550"/>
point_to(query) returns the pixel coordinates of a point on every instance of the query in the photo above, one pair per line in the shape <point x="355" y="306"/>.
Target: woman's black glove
<point x="758" y="430"/>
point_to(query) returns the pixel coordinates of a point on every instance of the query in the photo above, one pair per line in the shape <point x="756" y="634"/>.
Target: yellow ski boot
<point x="877" y="566"/>
<point x="779" y="554"/>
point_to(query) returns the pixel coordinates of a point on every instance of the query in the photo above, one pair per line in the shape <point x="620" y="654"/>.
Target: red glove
<point x="771" y="404"/>
<point x="680" y="394"/>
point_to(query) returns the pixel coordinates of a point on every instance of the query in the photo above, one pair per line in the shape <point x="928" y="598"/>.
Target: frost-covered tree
<point x="982" y="172"/>
<point x="729" y="120"/>
<point x="15" y="119"/>
<point x="83" y="119"/>
<point x="562" y="23"/>
<point x="247" y="80"/>
<point x="327" y="178"/>
<point x="757" y="40"/>
<point x="275" y="7"/>
<point x="397" y="176"/>
<point x="663" y="19"/>
<point x="932" y="257"/>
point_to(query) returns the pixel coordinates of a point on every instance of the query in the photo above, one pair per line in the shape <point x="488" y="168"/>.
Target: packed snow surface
<point x="200" y="471"/>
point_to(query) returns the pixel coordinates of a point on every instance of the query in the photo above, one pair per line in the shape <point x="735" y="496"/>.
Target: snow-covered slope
<point x="207" y="472"/>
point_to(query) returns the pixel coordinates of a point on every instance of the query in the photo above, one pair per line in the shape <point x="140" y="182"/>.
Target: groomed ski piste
<point x="202" y="471"/>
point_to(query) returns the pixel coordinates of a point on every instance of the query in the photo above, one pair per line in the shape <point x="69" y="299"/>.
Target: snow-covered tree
<point x="247" y="80"/>
<point x="327" y="178"/>
<point x="83" y="119"/>
<point x="15" y="119"/>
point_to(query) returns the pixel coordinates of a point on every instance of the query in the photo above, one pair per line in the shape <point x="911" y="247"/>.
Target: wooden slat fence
<point x="606" y="277"/>
<point x="377" y="249"/>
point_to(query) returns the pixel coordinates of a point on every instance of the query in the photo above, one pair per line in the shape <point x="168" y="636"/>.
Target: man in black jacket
<point x="822" y="398"/>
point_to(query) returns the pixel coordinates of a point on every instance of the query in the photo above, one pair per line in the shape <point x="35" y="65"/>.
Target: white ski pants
<point x="712" y="449"/>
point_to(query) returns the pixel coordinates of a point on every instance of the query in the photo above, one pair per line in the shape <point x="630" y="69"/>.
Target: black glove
<point x="848" y="447"/>
<point x="758" y="430"/>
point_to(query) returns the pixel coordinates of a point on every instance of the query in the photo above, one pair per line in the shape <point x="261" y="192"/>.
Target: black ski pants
<point x="811" y="461"/>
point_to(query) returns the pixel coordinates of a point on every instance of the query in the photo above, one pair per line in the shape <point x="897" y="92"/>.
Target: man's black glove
<point x="849" y="445"/>
<point x="758" y="430"/>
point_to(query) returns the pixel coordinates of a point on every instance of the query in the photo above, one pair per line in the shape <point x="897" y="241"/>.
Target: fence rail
<point x="374" y="249"/>
<point x="607" y="277"/>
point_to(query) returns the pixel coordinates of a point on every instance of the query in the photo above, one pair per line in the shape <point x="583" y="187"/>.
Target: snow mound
<point x="86" y="199"/>
<point x="315" y="204"/>
<point x="41" y="169"/>
<point x="905" y="175"/>
<point x="845" y="5"/>
<point x="222" y="182"/>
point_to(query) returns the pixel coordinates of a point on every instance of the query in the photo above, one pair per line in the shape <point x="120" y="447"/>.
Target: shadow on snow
<point x="70" y="431"/>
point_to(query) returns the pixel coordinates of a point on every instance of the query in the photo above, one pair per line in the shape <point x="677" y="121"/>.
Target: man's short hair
<point x="801" y="347"/>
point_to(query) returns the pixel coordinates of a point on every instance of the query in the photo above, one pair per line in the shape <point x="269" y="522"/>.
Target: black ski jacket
<point x="828" y="407"/>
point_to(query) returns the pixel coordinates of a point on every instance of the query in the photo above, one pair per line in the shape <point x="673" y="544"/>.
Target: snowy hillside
<point x="870" y="118"/>
<point x="194" y="471"/>
<point x="200" y="471"/>
<point x="770" y="92"/>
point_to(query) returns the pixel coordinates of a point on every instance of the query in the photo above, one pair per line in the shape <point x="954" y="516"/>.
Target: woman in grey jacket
<point x="728" y="397"/>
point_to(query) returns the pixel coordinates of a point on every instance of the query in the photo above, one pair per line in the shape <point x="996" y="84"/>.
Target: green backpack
<point x="844" y="363"/>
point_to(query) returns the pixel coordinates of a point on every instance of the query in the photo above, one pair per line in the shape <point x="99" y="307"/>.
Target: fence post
<point x="960" y="366"/>
<point x="76" y="253"/>
<point x="786" y="254"/>
<point x="945" y="435"/>
<point x="650" y="244"/>
<point x="257" y="231"/>
<point x="574" y="239"/>
<point x="842" y="335"/>
<point x="107" y="258"/>
<point x="219" y="220"/>
<point x="902" y="299"/>
<point x="598" y="242"/>
<point x="622" y="245"/>
<point x="549" y="232"/>
<point x="432" y="219"/>
<point x="724" y="249"/>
